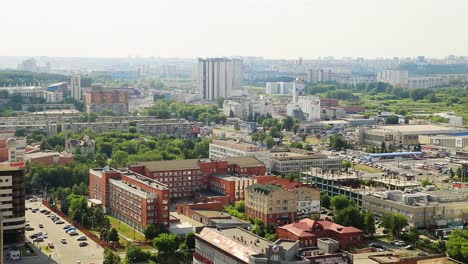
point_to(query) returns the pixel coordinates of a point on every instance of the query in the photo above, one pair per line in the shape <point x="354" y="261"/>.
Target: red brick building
<point x="185" y="177"/>
<point x="307" y="231"/>
<point x="203" y="212"/>
<point x="233" y="186"/>
<point x="130" y="197"/>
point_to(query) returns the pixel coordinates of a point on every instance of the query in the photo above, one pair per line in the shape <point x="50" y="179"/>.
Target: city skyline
<point x="270" y="29"/>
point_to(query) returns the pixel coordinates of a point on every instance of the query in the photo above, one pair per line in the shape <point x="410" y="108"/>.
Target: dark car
<point x="28" y="228"/>
<point x="38" y="239"/>
<point x="42" y="211"/>
<point x="330" y="214"/>
<point x="83" y="244"/>
<point x="375" y="245"/>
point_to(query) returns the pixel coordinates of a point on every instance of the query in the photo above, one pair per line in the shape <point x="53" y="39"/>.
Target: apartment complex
<point x="422" y="209"/>
<point x="176" y="127"/>
<point x="98" y="127"/>
<point x="131" y="197"/>
<point x="425" y="82"/>
<point x="270" y="203"/>
<point x="308" y="231"/>
<point x="244" y="107"/>
<point x="185" y="177"/>
<point x="221" y="149"/>
<point x="284" y="161"/>
<point x="25" y="91"/>
<point x="217" y="77"/>
<point x="12" y="205"/>
<point x="319" y="76"/>
<point x="111" y="100"/>
<point x="235" y="245"/>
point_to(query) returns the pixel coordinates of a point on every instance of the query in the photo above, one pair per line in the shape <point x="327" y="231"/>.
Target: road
<point x="63" y="253"/>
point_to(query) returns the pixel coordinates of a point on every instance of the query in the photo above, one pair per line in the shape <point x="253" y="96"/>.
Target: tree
<point x="151" y="232"/>
<point x="412" y="235"/>
<point x="114" y="235"/>
<point x="166" y="243"/>
<point x="270" y="142"/>
<point x="392" y="120"/>
<point x="189" y="240"/>
<point x="110" y="257"/>
<point x="340" y="202"/>
<point x="288" y="122"/>
<point x="369" y="223"/>
<point x="296" y="144"/>
<point x="457" y="246"/>
<point x="418" y="147"/>
<point x="349" y="216"/>
<point x="119" y="158"/>
<point x="394" y="223"/>
<point x="338" y="143"/>
<point x="383" y="147"/>
<point x="295" y="129"/>
<point x="240" y="206"/>
<point x="220" y="102"/>
<point x="325" y="200"/>
<point x="136" y="254"/>
<point x="347" y="164"/>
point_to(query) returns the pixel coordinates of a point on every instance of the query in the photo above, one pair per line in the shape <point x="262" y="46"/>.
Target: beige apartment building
<point x="270" y="203"/>
<point x="422" y="209"/>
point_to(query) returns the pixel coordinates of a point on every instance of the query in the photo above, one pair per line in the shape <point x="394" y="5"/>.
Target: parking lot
<point x="70" y="252"/>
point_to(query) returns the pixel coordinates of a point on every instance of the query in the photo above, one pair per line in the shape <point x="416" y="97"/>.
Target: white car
<point x="45" y="235"/>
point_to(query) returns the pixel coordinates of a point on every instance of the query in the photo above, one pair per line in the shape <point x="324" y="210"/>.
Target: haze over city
<point x="272" y="29"/>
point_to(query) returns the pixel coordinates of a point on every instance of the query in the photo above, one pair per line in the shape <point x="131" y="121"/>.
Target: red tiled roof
<point x="286" y="183"/>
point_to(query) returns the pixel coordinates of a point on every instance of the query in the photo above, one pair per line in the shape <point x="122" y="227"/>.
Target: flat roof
<point x="212" y="213"/>
<point x="165" y="165"/>
<point x="245" y="161"/>
<point x="416" y="128"/>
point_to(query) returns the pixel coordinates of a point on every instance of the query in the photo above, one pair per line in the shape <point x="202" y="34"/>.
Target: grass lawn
<point x="311" y="140"/>
<point x="125" y="229"/>
<point x="366" y="168"/>
<point x="26" y="250"/>
<point x="46" y="249"/>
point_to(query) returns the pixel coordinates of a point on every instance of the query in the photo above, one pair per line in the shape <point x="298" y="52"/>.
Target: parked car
<point x="67" y="226"/>
<point x="42" y="211"/>
<point x="68" y="231"/>
<point x="82" y="238"/>
<point x="422" y="254"/>
<point x="29" y="228"/>
<point x="41" y="226"/>
<point x="47" y="213"/>
<point x="73" y="233"/>
<point x="409" y="247"/>
<point x="83" y="244"/>
<point x="375" y="245"/>
<point x="38" y="239"/>
<point x="45" y="235"/>
<point x="59" y="222"/>
<point x="63" y="241"/>
<point x="51" y="245"/>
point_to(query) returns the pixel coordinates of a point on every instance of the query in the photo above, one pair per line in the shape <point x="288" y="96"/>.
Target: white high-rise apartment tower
<point x="75" y="86"/>
<point x="217" y="77"/>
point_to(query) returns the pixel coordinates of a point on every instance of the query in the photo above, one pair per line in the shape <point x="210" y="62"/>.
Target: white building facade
<point x="217" y="77"/>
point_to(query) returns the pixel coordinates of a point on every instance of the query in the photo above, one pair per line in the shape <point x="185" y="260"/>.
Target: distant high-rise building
<point x="318" y="76"/>
<point x="75" y="86"/>
<point x="217" y="77"/>
<point x="28" y="65"/>
<point x="394" y="77"/>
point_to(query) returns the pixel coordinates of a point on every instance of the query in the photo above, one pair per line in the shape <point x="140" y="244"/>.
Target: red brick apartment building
<point x="185" y="177"/>
<point x="307" y="231"/>
<point x="131" y="197"/>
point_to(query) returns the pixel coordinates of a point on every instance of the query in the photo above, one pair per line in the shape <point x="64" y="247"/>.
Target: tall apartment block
<point x="75" y="86"/>
<point x="217" y="77"/>
<point x="12" y="196"/>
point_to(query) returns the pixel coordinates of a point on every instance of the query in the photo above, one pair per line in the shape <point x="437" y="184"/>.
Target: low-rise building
<point x="422" y="209"/>
<point x="221" y="149"/>
<point x="53" y="97"/>
<point x="11" y="148"/>
<point x="50" y="157"/>
<point x="284" y="161"/>
<point x="173" y="127"/>
<point x="83" y="146"/>
<point x="307" y="231"/>
<point x="455" y="141"/>
<point x="98" y="127"/>
<point x="236" y="245"/>
<point x="404" y="135"/>
<point x="130" y="197"/>
<point x="233" y="186"/>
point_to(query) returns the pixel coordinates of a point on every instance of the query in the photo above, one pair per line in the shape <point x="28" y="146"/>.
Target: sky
<point x="278" y="29"/>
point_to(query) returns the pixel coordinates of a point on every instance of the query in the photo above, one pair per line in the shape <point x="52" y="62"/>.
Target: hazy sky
<point x="199" y="28"/>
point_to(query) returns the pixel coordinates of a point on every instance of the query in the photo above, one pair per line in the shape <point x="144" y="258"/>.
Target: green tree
<point x="347" y="164"/>
<point x="340" y="202"/>
<point x="349" y="216"/>
<point x="110" y="257"/>
<point x="114" y="235"/>
<point x="270" y="142"/>
<point x="151" y="232"/>
<point x="337" y="142"/>
<point x="189" y="240"/>
<point x="136" y="254"/>
<point x="325" y="200"/>
<point x="457" y="245"/>
<point x="295" y="128"/>
<point x="394" y="223"/>
<point x="369" y="223"/>
<point x="119" y="159"/>
<point x="288" y="122"/>
<point x="166" y="243"/>
<point x="392" y="120"/>
<point x="240" y="206"/>
<point x="296" y="144"/>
